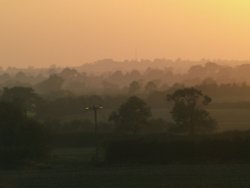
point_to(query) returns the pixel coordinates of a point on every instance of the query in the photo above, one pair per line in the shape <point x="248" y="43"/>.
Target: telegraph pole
<point x="95" y="108"/>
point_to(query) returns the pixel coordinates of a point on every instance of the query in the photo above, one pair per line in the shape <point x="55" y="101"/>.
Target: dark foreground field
<point x="70" y="168"/>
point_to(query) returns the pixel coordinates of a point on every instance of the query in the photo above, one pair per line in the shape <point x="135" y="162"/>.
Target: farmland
<point x="227" y="118"/>
<point x="70" y="167"/>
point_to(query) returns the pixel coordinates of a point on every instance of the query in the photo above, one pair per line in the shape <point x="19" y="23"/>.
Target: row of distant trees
<point x="76" y="81"/>
<point x="188" y="113"/>
<point x="24" y="136"/>
<point x="129" y="116"/>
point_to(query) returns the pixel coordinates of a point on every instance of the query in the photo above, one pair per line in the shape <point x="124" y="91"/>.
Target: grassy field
<point x="70" y="168"/>
<point x="231" y="119"/>
<point x="227" y="118"/>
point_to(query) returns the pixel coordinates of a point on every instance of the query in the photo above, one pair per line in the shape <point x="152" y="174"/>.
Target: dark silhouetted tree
<point x="51" y="85"/>
<point x="188" y="111"/>
<point x="134" y="87"/>
<point x="150" y="87"/>
<point x="21" y="138"/>
<point x="131" y="116"/>
<point x="24" y="97"/>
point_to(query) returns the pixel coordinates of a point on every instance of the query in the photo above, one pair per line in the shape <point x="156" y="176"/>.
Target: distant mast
<point x="135" y="58"/>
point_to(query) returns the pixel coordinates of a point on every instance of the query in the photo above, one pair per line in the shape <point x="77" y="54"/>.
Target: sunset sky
<point x="72" y="32"/>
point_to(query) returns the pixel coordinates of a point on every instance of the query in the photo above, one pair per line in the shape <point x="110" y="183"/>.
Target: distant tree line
<point x="126" y="113"/>
<point x="156" y="76"/>
<point x="28" y="121"/>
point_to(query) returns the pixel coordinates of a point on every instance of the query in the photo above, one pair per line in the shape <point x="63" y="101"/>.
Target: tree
<point x="188" y="111"/>
<point x="21" y="138"/>
<point x="134" y="87"/>
<point x="24" y="97"/>
<point x="150" y="87"/>
<point x="131" y="116"/>
<point x="51" y="85"/>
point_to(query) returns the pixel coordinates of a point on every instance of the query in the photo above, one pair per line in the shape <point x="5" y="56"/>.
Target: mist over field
<point x="109" y="83"/>
<point x="107" y="93"/>
<point x="85" y="120"/>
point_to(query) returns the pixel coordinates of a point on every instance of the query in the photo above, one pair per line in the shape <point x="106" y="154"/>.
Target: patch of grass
<point x="72" y="156"/>
<point x="68" y="170"/>
<point x="227" y="118"/>
<point x="232" y="119"/>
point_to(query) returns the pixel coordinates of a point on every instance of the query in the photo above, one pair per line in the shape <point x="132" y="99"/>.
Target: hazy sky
<point x="72" y="32"/>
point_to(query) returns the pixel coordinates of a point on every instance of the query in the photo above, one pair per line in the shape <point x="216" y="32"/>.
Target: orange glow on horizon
<point x="64" y="32"/>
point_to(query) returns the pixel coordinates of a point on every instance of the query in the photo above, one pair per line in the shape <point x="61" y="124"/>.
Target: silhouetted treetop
<point x="188" y="111"/>
<point x="131" y="115"/>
